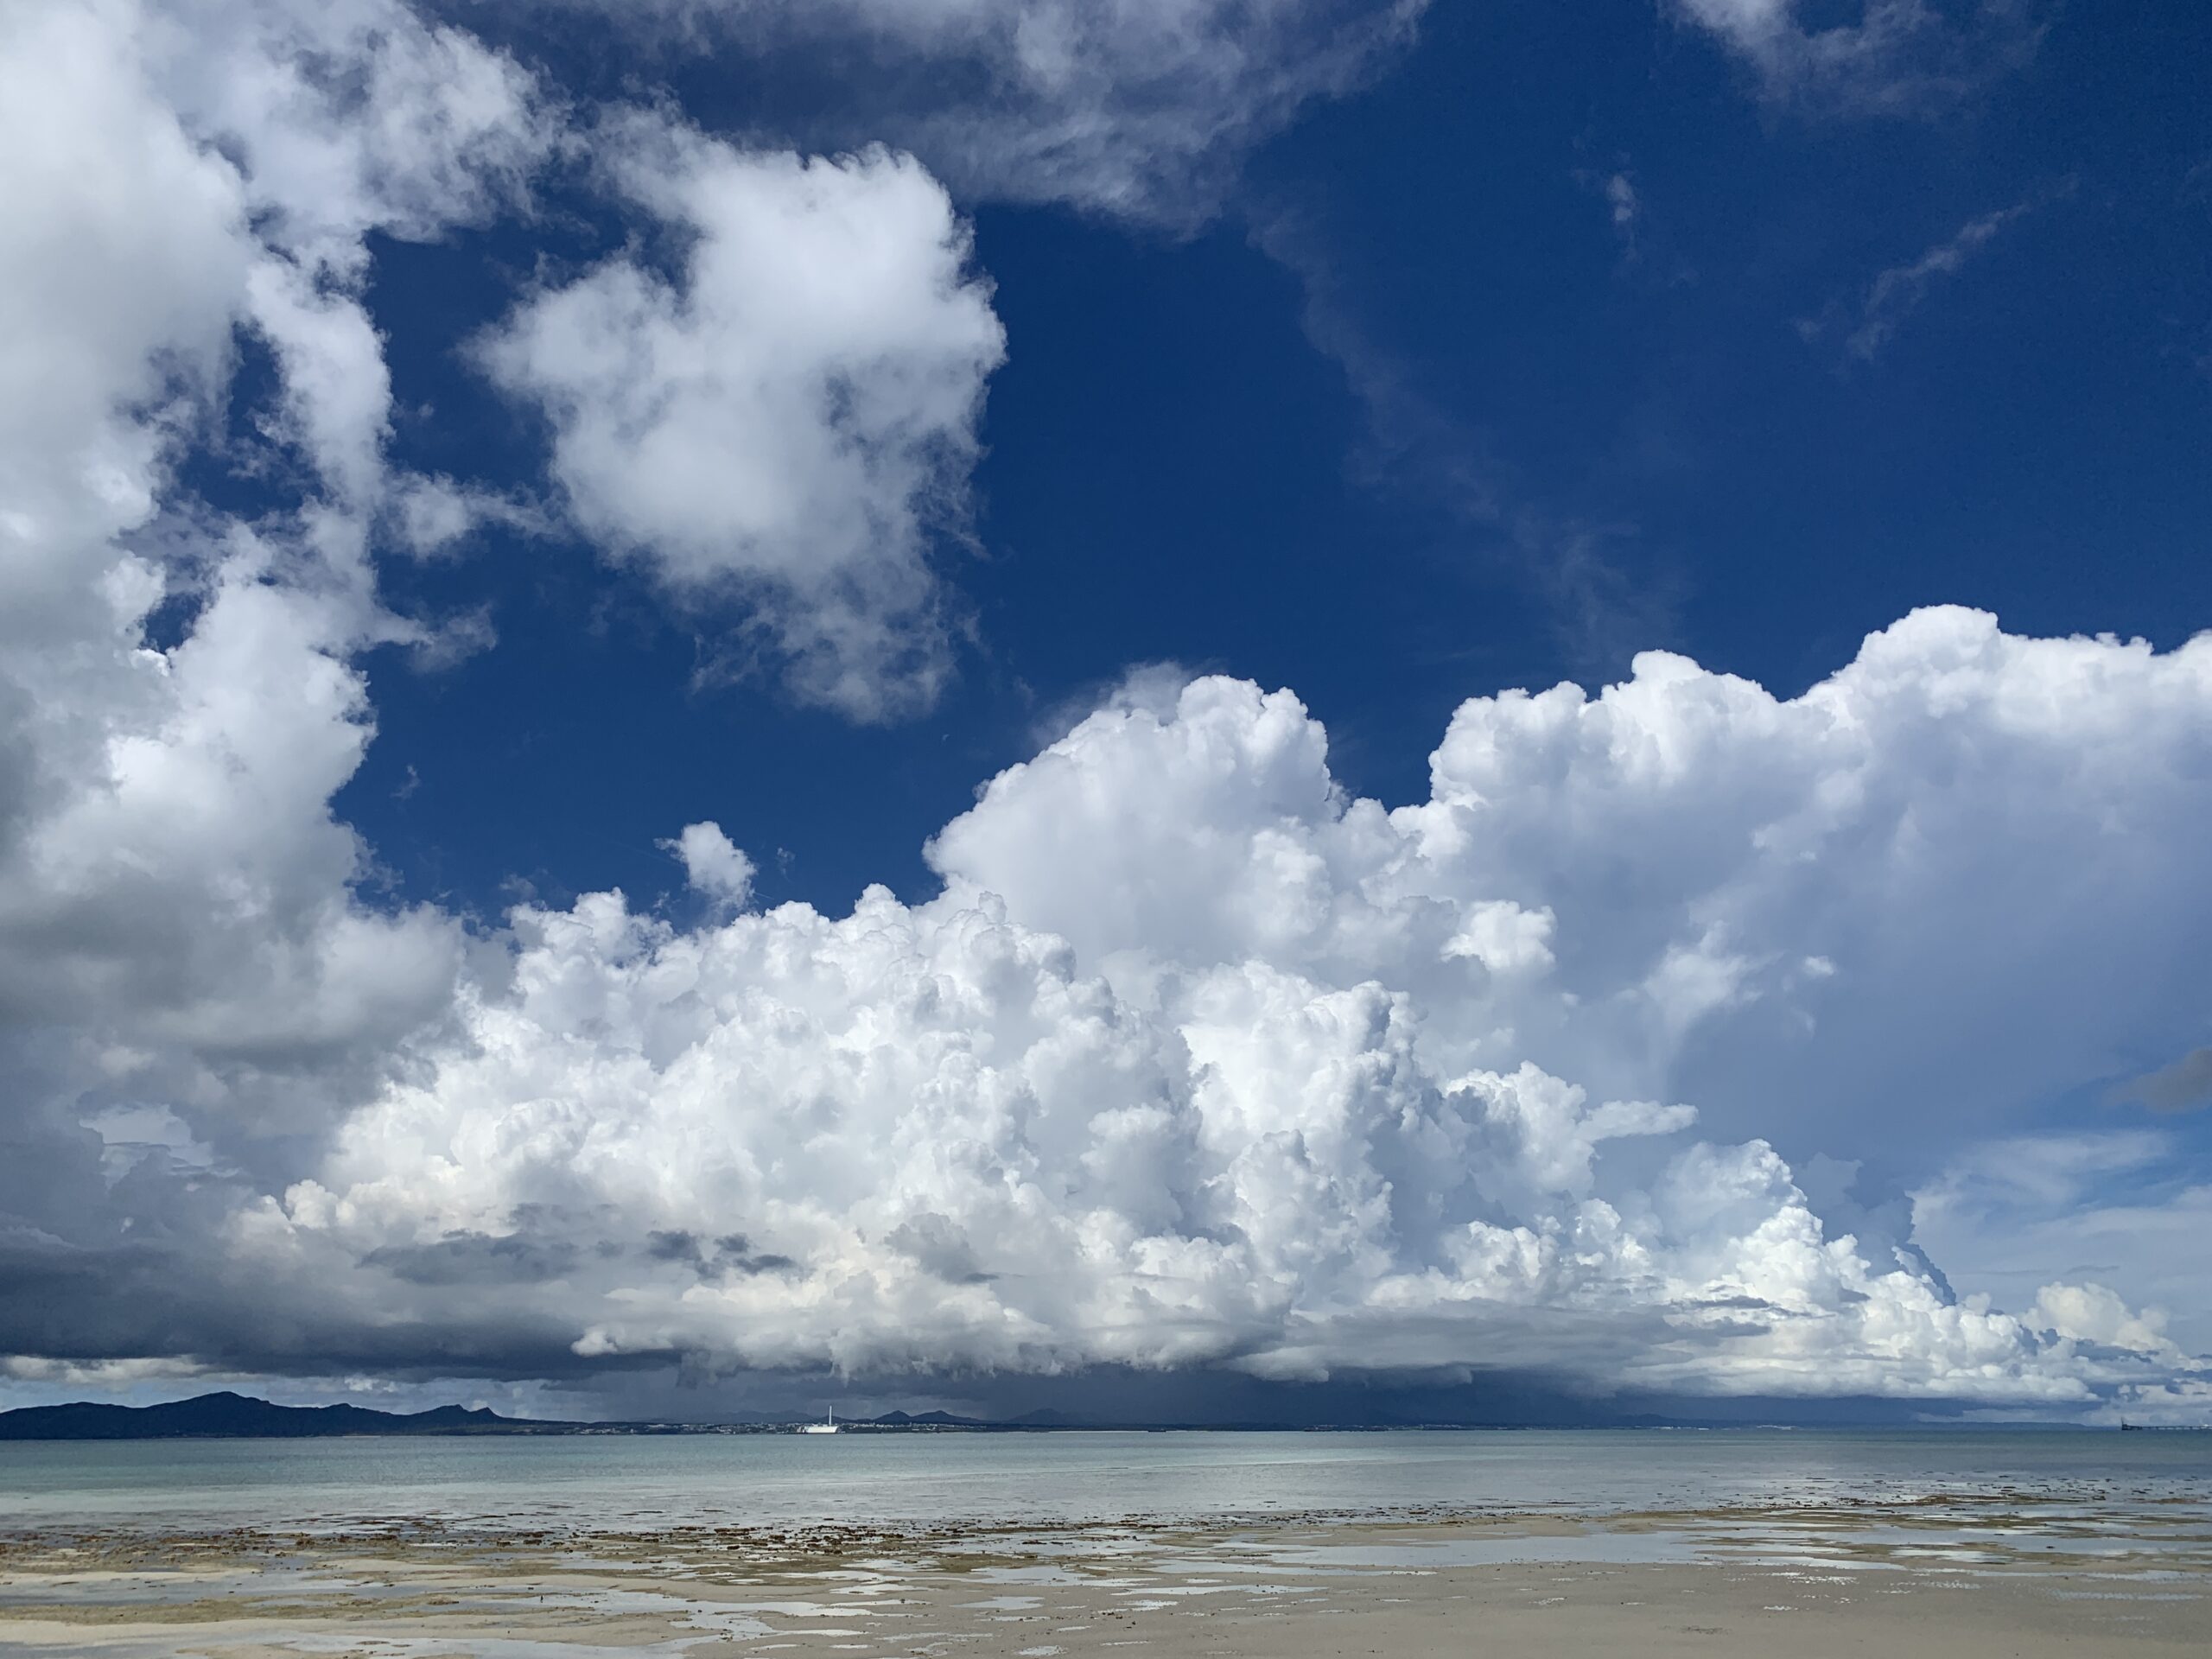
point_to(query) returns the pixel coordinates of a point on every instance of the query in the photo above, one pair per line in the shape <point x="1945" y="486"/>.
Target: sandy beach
<point x="1992" y="1578"/>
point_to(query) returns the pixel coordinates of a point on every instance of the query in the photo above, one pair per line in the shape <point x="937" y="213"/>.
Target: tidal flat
<point x="1060" y="1546"/>
<point x="1971" y="1574"/>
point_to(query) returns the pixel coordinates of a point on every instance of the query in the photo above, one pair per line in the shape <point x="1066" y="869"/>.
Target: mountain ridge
<point x="227" y="1415"/>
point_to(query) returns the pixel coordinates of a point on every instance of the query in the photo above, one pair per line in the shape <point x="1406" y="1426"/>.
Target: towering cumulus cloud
<point x="1197" y="1060"/>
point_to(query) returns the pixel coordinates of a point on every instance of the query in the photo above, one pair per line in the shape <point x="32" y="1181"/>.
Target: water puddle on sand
<point x="1483" y="1549"/>
<point x="480" y="1647"/>
<point x="1039" y="1575"/>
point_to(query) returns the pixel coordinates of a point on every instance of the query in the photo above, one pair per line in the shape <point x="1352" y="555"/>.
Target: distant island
<point x="237" y="1416"/>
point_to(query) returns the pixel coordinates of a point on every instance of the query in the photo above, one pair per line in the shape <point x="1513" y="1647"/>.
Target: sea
<point x="632" y="1484"/>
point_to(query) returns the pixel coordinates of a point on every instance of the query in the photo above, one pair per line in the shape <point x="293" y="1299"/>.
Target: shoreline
<point x="1951" y="1574"/>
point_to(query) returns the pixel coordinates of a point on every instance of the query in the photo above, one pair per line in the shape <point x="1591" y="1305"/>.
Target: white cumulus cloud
<point x="715" y="865"/>
<point x="790" y="417"/>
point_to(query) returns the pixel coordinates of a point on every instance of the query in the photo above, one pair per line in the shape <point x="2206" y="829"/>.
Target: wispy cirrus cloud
<point x="1881" y="57"/>
<point x="1420" y="451"/>
<point x="1865" y="324"/>
<point x="1140" y="109"/>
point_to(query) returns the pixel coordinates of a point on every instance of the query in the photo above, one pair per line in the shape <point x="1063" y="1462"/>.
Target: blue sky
<point x="1179" y="470"/>
<point x="465" y="449"/>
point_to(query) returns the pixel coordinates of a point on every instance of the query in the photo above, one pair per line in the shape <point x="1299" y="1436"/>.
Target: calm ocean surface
<point x="629" y="1483"/>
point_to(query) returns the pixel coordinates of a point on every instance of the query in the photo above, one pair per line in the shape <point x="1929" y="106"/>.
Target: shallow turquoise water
<point x="627" y="1483"/>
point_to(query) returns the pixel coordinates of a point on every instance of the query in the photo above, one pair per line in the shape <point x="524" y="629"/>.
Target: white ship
<point x="829" y="1427"/>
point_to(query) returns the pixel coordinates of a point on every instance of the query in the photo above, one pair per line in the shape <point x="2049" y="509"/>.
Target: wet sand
<point x="1978" y="1578"/>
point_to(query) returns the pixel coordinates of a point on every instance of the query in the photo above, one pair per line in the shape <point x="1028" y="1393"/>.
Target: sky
<point x="1174" y="707"/>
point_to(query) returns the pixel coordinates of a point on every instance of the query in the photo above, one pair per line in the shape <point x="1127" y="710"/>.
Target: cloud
<point x="1797" y="870"/>
<point x="1200" y="1061"/>
<point x="713" y="865"/>
<point x="1896" y="293"/>
<point x="982" y="1161"/>
<point x="788" y="419"/>
<point x="2094" y="1314"/>
<point x="339" y="120"/>
<point x="2184" y="1086"/>
<point x="1416" y="447"/>
<point x="1878" y="57"/>
<point x="169" y="858"/>
<point x="1139" y="108"/>
<point x="191" y="985"/>
<point x="783" y="428"/>
<point x="197" y="978"/>
<point x="1622" y="205"/>
<point x="108" y="1375"/>
<point x="2009" y="1215"/>
<point x="780" y="428"/>
<point x="1620" y="194"/>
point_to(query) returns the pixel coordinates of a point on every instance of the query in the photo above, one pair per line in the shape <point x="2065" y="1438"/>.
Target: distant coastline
<point x="227" y="1415"/>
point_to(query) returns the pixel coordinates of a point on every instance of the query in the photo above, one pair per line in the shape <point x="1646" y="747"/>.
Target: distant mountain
<point x="927" y="1420"/>
<point x="236" y="1416"/>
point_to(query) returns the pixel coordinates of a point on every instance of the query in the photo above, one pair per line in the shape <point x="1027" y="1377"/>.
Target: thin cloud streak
<point x="1895" y="294"/>
<point x="1420" y="452"/>
<point x="1908" y="58"/>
